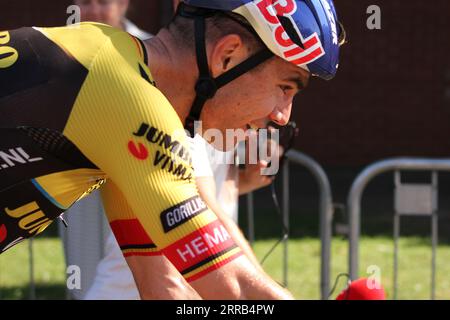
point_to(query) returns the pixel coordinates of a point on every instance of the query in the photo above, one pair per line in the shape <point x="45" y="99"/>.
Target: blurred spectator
<point x="110" y="12"/>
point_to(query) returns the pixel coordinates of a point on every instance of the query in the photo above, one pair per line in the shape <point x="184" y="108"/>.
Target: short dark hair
<point x="218" y="25"/>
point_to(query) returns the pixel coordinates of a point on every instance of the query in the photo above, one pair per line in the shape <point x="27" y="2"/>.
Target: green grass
<point x="304" y="268"/>
<point x="49" y="270"/>
<point x="414" y="265"/>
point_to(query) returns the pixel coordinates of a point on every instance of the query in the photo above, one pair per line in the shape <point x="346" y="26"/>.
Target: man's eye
<point x="286" y="89"/>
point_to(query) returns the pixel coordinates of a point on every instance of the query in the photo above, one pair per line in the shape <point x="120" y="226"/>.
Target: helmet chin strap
<point x="207" y="86"/>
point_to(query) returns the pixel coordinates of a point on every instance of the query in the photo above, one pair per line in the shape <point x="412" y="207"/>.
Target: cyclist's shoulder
<point x="84" y="41"/>
<point x="88" y="31"/>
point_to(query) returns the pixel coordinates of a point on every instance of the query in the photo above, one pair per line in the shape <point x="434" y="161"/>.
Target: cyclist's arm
<point x="207" y="189"/>
<point x="128" y="129"/>
<point x="157" y="279"/>
<point x="162" y="279"/>
<point x="203" y="165"/>
<point x="240" y="280"/>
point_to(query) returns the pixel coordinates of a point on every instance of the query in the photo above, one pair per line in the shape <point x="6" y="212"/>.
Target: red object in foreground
<point x="3" y="233"/>
<point x="363" y="289"/>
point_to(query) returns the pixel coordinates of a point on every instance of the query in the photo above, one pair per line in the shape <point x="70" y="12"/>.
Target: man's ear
<point x="228" y="52"/>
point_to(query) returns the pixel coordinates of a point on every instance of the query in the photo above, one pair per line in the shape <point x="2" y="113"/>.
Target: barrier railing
<point x="325" y="209"/>
<point x="358" y="187"/>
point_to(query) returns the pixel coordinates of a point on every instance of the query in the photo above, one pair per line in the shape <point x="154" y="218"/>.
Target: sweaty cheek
<point x="269" y="103"/>
<point x="257" y="108"/>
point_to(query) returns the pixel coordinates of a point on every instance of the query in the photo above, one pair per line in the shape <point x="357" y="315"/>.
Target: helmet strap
<point x="207" y="86"/>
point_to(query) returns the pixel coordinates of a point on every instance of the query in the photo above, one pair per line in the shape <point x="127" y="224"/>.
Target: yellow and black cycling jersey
<point x="79" y="110"/>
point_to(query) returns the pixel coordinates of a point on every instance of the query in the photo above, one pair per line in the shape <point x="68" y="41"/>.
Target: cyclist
<point x="90" y="106"/>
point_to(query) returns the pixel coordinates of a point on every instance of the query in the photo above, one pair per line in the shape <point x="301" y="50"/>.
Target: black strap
<point x="144" y="50"/>
<point x="200" y="46"/>
<point x="207" y="86"/>
<point x="243" y="67"/>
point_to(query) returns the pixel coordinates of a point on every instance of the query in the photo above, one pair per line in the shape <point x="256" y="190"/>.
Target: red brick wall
<point x="388" y="97"/>
<point x="387" y="100"/>
<point x="148" y="14"/>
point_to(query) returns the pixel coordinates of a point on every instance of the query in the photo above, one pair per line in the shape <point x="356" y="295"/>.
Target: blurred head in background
<point x="110" y="12"/>
<point x="175" y="4"/>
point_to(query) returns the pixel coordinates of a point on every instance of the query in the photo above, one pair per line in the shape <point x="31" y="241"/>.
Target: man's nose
<point x="281" y="115"/>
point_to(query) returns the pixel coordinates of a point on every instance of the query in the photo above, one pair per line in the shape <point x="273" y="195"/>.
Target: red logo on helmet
<point x="271" y="8"/>
<point x="3" y="233"/>
<point x="312" y="47"/>
<point x="140" y="151"/>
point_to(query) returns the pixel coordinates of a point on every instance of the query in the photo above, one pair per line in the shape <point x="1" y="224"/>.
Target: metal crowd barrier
<point x="412" y="199"/>
<point x="325" y="209"/>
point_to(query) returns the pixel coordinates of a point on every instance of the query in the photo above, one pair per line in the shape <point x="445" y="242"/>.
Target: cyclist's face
<point x="256" y="98"/>
<point x="275" y="86"/>
<point x="105" y="11"/>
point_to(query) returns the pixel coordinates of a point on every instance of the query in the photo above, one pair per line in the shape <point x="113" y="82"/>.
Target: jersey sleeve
<point x="126" y="127"/>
